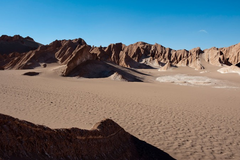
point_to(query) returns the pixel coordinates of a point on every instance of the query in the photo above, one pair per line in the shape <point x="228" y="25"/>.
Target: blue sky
<point x="184" y="24"/>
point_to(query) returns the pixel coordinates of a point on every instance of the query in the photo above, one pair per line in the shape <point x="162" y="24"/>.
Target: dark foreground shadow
<point x="148" y="151"/>
<point x="22" y="140"/>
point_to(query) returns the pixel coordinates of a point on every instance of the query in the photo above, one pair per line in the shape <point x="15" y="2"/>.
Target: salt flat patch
<point x="182" y="79"/>
<point x="229" y="87"/>
<point x="186" y="80"/>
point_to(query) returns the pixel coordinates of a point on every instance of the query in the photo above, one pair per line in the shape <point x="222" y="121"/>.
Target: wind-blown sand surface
<point x="186" y="121"/>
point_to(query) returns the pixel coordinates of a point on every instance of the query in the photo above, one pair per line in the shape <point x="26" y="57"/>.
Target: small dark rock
<point x="44" y="65"/>
<point x="31" y="73"/>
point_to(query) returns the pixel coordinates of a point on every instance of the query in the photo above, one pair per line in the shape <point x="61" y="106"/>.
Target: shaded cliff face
<point x="17" y="44"/>
<point x="76" y="54"/>
<point x="106" y="140"/>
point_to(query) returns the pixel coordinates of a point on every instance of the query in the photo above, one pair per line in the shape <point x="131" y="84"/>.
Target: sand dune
<point x="182" y="79"/>
<point x="186" y="80"/>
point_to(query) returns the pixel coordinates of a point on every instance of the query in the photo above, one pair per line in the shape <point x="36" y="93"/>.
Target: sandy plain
<point x="186" y="119"/>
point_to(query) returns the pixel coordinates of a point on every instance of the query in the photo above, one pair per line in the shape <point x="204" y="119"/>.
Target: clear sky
<point x="178" y="24"/>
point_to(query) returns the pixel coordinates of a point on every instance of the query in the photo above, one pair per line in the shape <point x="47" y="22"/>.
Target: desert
<point x="152" y="102"/>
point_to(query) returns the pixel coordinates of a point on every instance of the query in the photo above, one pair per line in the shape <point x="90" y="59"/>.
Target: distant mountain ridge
<point x="77" y="55"/>
<point x="17" y="43"/>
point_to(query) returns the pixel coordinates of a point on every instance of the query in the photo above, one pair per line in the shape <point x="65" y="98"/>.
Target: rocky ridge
<point x="17" y="43"/>
<point x="220" y="56"/>
<point x="106" y="140"/>
<point x="76" y="55"/>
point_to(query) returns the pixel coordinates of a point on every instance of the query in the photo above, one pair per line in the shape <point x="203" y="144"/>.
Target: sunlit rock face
<point x="219" y="56"/>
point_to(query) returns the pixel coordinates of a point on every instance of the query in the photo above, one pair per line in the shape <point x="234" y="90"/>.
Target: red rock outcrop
<point x="106" y="140"/>
<point x="113" y="51"/>
<point x="66" y="49"/>
<point x="99" y="52"/>
<point x="32" y="59"/>
<point x="231" y="54"/>
<point x="58" y="51"/>
<point x="131" y="56"/>
<point x="213" y="56"/>
<point x="77" y="57"/>
<point x="227" y="55"/>
<point x="194" y="59"/>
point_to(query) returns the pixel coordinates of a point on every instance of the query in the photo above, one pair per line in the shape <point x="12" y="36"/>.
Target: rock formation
<point x="77" y="56"/>
<point x="227" y="55"/>
<point x="106" y="140"/>
<point x="213" y="56"/>
<point x="16" y="44"/>
<point x="165" y="67"/>
<point x="58" y="51"/>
